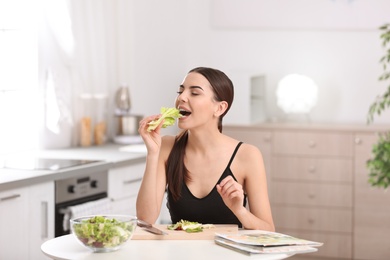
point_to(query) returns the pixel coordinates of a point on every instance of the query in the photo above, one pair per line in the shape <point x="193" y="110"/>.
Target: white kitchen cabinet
<point x="123" y="186"/>
<point x="14" y="224"/>
<point x="41" y="209"/>
<point x="26" y="221"/>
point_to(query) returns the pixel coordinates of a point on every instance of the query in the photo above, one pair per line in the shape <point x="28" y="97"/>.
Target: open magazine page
<point x="264" y="242"/>
<point x="250" y="249"/>
<point x="265" y="238"/>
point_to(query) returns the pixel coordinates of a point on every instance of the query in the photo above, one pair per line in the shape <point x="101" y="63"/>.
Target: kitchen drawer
<point x="312" y="219"/>
<point x="312" y="169"/>
<point x="125" y="181"/>
<point x="312" y="194"/>
<point x="313" y="143"/>
<point x="336" y="245"/>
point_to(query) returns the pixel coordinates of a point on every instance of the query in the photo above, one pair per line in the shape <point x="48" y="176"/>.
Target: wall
<point x="154" y="50"/>
<point x="172" y="37"/>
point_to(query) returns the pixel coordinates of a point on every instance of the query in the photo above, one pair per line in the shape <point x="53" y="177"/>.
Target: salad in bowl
<point x="105" y="233"/>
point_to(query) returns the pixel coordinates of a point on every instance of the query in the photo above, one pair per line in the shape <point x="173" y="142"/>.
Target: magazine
<point x="264" y="242"/>
<point x="250" y="249"/>
<point x="265" y="238"/>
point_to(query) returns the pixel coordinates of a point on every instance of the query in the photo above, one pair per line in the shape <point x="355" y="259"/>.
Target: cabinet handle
<point x="312" y="169"/>
<point x="312" y="144"/>
<point x="310" y="221"/>
<point x="44" y="220"/>
<point x="131" y="181"/>
<point x="10" y="197"/>
<point x="311" y="196"/>
<point x="267" y="138"/>
<point x="358" y="140"/>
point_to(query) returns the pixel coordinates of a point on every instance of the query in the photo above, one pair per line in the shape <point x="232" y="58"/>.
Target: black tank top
<point x="208" y="210"/>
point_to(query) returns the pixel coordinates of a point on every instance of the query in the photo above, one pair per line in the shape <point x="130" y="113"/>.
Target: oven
<point x="76" y="191"/>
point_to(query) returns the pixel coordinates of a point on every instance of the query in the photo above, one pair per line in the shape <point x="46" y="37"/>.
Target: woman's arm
<point x="249" y="165"/>
<point x="151" y="192"/>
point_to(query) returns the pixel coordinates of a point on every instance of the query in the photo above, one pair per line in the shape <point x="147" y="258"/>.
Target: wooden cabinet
<point x="123" y="186"/>
<point x="372" y="207"/>
<point x="312" y="185"/>
<point x="320" y="188"/>
<point x="26" y="221"/>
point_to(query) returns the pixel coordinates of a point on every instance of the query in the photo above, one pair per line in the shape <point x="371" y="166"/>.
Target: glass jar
<point x="93" y="119"/>
<point x="86" y="119"/>
<point x="101" y="114"/>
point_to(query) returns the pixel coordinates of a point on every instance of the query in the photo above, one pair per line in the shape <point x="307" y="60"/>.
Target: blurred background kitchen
<point x="63" y="63"/>
<point x="82" y="73"/>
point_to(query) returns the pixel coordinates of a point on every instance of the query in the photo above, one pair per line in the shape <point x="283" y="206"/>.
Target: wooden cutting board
<point x="206" y="234"/>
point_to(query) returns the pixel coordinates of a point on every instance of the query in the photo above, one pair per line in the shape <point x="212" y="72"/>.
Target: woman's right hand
<point x="151" y="139"/>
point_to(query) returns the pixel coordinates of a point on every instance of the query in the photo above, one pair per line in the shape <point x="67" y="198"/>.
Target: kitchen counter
<point x="106" y="157"/>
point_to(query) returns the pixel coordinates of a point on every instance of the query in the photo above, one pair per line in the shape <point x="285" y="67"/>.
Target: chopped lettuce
<point x="187" y="226"/>
<point x="169" y="115"/>
<point x="101" y="232"/>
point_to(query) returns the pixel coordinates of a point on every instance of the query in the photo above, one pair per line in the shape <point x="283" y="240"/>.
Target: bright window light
<point x="296" y="94"/>
<point x="19" y="97"/>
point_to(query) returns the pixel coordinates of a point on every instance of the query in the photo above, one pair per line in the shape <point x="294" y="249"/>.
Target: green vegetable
<point x="188" y="226"/>
<point x="169" y="115"/>
<point x="103" y="232"/>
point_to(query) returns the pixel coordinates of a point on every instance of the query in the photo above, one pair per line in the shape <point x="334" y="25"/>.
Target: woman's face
<point x="196" y="100"/>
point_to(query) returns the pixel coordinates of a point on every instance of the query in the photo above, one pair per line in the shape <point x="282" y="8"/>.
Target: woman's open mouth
<point x="185" y="112"/>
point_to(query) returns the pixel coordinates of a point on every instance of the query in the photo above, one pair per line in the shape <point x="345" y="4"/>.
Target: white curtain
<point x="56" y="49"/>
<point x="79" y="66"/>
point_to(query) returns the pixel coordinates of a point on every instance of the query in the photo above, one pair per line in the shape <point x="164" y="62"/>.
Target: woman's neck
<point x="203" y="141"/>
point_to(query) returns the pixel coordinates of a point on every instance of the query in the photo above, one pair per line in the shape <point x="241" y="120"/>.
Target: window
<point x="20" y="100"/>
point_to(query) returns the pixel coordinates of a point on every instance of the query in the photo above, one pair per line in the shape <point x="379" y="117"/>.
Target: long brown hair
<point x="175" y="169"/>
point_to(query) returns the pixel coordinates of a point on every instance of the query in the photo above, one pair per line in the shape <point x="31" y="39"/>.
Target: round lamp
<point x="296" y="94"/>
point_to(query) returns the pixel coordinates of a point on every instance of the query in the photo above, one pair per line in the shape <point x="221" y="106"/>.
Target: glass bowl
<point x="103" y="233"/>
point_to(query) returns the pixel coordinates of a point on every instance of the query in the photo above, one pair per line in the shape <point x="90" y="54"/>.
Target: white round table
<point x="68" y="248"/>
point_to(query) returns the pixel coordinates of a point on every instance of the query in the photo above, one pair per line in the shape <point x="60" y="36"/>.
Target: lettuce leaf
<point x="169" y="115"/>
<point x="187" y="226"/>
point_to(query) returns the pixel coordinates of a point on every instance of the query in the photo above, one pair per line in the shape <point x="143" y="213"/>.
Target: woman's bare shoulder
<point x="248" y="163"/>
<point x="245" y="151"/>
<point x="249" y="154"/>
<point x="249" y="148"/>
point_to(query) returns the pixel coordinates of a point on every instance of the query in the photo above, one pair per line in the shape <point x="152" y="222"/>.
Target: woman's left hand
<point x="232" y="193"/>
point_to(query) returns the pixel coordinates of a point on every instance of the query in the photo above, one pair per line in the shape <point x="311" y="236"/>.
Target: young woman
<point x="209" y="177"/>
